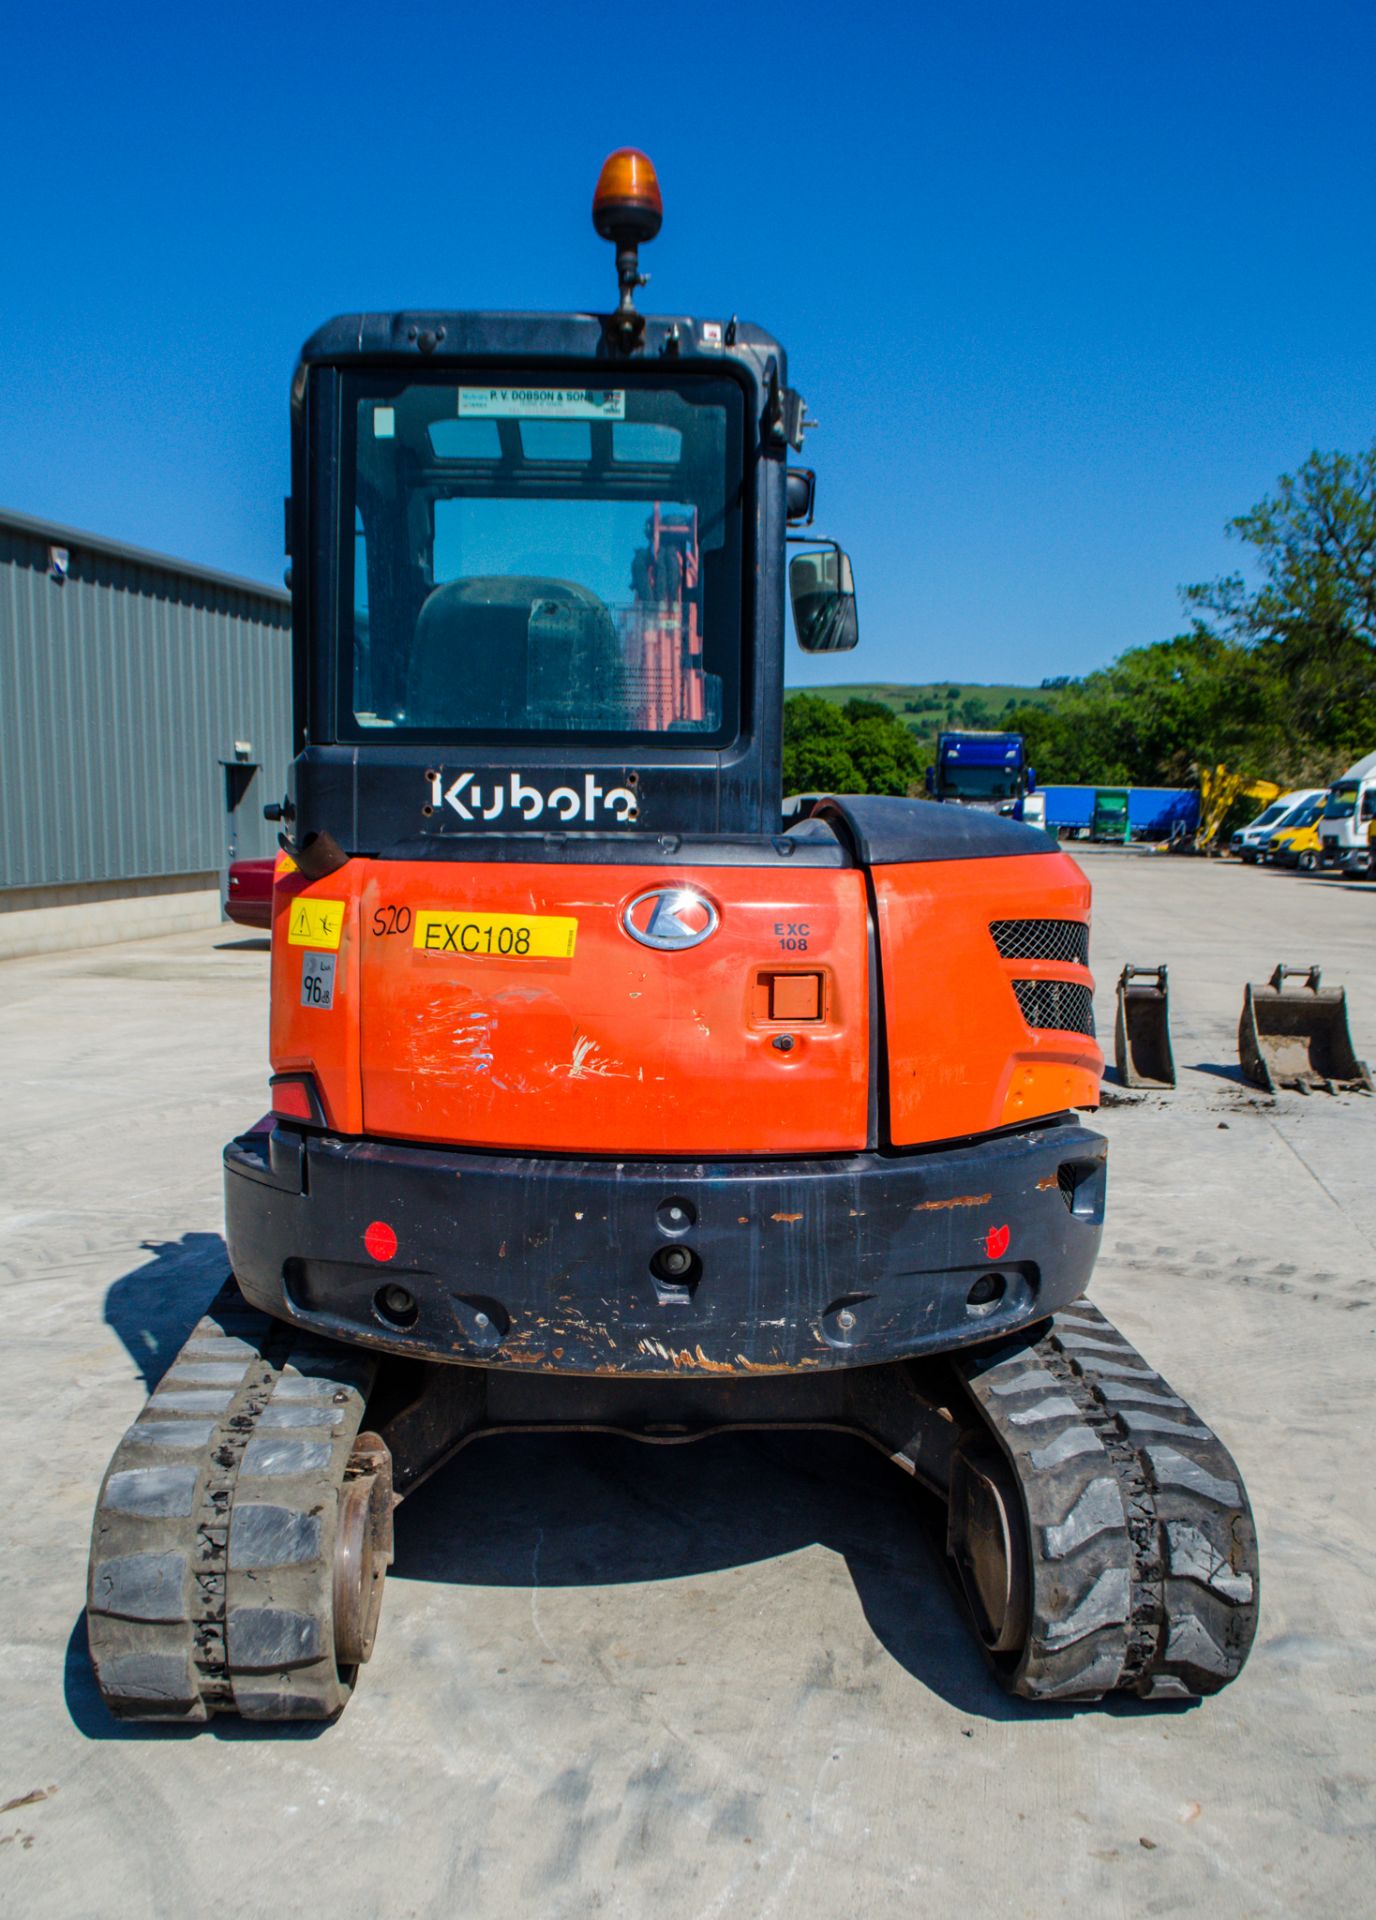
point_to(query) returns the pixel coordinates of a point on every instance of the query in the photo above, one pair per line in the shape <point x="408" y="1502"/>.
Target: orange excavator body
<point x="614" y="1048"/>
<point x="591" y="1052"/>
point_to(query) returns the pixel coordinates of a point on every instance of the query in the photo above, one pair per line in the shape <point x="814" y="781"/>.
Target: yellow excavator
<point x="1218" y="789"/>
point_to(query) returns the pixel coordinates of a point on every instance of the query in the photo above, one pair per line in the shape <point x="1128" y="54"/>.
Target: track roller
<point x="362" y="1549"/>
<point x="986" y="1538"/>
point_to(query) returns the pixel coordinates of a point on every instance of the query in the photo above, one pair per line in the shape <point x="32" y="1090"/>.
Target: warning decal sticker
<point x="315" y="923"/>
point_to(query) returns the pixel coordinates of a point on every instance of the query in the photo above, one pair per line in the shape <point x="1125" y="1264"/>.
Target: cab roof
<point x="442" y="335"/>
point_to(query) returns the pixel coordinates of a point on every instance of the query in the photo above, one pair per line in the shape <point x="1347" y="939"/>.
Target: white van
<point x="1347" y="818"/>
<point x="1251" y="841"/>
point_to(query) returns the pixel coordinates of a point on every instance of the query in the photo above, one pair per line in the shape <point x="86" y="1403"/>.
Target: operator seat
<point x="515" y="651"/>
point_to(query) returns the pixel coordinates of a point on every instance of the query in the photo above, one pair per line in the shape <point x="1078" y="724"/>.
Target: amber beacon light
<point x="627" y="210"/>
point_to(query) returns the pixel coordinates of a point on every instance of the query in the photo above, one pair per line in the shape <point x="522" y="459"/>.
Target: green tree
<point x="1312" y="621"/>
<point x="1157" y="714"/>
<point x="861" y="747"/>
<point x="1274" y="681"/>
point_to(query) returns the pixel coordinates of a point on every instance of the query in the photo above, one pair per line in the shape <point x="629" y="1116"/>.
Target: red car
<point x="248" y="898"/>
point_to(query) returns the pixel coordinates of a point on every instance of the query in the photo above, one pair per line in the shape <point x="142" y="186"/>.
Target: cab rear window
<point x="541" y="562"/>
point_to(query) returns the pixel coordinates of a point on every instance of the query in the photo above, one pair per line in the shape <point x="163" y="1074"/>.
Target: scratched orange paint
<point x="621" y="1049"/>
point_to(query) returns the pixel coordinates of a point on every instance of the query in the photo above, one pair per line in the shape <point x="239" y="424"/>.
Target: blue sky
<point x="1067" y="286"/>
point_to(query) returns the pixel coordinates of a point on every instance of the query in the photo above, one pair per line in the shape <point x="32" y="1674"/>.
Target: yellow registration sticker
<point x="507" y="936"/>
<point x="315" y="923"/>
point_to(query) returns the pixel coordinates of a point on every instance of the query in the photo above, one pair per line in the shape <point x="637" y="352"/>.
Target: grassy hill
<point x="927" y="709"/>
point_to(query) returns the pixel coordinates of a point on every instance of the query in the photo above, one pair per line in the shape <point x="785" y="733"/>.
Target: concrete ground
<point x="725" y="1679"/>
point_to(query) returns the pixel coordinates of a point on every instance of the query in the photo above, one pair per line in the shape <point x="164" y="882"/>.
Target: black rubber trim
<point x="811" y="844"/>
<point x="886" y="831"/>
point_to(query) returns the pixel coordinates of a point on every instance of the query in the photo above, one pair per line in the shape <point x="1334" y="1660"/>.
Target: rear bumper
<point x="558" y="1264"/>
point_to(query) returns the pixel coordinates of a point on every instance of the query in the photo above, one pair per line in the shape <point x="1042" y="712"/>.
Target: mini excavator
<point x="610" y="1090"/>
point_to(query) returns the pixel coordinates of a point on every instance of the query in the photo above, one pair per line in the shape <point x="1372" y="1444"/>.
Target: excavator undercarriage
<point x="1098" y="1530"/>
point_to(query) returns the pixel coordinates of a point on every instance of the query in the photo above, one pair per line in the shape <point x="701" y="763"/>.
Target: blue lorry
<point x="981" y="770"/>
<point x="990" y="770"/>
<point x="1154" y="813"/>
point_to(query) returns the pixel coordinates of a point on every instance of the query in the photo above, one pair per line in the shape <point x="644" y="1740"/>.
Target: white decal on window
<point x="540" y="403"/>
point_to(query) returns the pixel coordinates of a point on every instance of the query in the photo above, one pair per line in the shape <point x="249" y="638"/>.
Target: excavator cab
<point x="610" y="1090"/>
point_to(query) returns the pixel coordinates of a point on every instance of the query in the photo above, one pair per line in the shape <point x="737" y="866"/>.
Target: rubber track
<point x="212" y="1553"/>
<point x="1144" y="1560"/>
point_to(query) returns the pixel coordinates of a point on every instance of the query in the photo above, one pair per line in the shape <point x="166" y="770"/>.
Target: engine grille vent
<point x="1062" y="1004"/>
<point x="1063" y="940"/>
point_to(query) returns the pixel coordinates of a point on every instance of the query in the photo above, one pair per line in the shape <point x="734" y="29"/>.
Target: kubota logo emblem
<point x="670" y="918"/>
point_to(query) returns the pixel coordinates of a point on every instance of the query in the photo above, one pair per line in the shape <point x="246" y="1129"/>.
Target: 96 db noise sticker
<point x="317" y="980"/>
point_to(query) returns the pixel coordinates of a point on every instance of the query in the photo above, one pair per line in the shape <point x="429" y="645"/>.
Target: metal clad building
<point x="140" y="699"/>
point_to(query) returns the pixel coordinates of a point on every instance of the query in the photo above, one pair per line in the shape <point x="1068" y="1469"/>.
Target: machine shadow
<point x="595" y="1510"/>
<point x="1223" y="1070"/>
<point x="153" y="1307"/>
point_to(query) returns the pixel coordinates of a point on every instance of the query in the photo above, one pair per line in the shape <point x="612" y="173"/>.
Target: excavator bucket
<point x="1298" y="1037"/>
<point x="1142" y="1028"/>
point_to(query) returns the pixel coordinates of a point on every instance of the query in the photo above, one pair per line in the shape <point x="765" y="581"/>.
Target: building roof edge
<point x="54" y="535"/>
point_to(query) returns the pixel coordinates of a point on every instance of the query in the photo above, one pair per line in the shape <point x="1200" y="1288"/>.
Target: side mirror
<point x="822" y="589"/>
<point x="802" y="491"/>
<point x="1031" y="779"/>
<point x="931" y="779"/>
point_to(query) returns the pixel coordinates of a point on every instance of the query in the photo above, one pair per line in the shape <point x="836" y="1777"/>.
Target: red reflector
<point x="292" y="1099"/>
<point x="380" y="1241"/>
